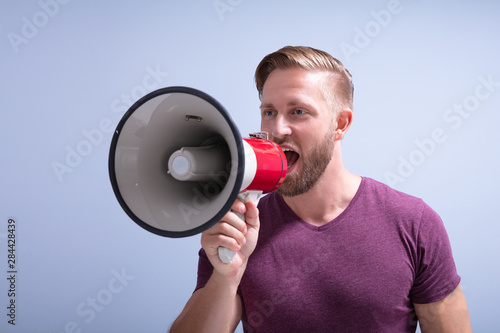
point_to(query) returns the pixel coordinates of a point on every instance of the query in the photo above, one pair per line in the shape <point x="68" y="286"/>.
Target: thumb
<point x="252" y="214"/>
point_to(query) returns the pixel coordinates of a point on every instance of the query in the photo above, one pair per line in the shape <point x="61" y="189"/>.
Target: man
<point x="329" y="251"/>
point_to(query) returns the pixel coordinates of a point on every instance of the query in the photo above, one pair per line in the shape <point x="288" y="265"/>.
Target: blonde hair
<point x="337" y="86"/>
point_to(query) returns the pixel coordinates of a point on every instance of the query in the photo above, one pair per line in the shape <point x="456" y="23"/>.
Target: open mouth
<point x="291" y="157"/>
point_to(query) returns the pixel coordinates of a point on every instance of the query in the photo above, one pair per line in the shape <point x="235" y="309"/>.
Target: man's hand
<point x="235" y="234"/>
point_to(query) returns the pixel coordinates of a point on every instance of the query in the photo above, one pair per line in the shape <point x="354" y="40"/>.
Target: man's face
<point x="296" y="116"/>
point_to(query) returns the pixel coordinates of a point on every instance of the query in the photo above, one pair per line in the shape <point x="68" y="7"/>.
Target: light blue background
<point x="74" y="68"/>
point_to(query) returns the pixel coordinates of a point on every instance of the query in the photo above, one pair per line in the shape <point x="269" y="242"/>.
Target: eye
<point x="268" y="113"/>
<point x="299" y="112"/>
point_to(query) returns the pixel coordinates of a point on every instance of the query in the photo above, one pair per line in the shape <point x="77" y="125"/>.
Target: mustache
<point x="280" y="141"/>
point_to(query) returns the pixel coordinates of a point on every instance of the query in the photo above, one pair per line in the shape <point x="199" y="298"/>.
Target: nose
<point x="281" y="127"/>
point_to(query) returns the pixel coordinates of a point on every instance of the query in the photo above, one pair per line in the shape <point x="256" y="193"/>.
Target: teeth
<point x="286" y="149"/>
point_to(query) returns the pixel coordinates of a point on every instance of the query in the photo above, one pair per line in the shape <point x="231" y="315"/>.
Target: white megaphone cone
<point x="177" y="163"/>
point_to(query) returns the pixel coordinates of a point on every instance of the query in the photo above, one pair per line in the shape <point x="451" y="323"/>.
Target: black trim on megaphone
<point x="240" y="157"/>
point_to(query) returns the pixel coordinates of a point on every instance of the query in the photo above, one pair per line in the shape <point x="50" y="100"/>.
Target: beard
<point x="314" y="163"/>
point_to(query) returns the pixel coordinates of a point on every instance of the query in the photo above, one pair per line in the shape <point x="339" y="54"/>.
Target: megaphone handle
<point x="226" y="255"/>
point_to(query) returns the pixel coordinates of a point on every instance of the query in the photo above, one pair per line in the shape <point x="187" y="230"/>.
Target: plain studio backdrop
<point x="427" y="97"/>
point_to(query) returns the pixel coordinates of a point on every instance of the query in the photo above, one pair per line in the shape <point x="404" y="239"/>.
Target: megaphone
<point x="177" y="163"/>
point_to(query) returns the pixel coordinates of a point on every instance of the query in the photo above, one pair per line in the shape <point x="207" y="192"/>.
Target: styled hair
<point x="337" y="88"/>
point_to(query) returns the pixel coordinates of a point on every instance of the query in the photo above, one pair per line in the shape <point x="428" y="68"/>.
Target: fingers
<point x="229" y="232"/>
<point x="237" y="231"/>
<point x="232" y="230"/>
<point x="238" y="207"/>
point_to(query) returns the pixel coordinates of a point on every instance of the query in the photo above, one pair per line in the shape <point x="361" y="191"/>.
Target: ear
<point x="342" y="123"/>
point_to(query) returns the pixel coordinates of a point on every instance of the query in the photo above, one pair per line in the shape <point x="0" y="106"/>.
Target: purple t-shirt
<point x="360" y="272"/>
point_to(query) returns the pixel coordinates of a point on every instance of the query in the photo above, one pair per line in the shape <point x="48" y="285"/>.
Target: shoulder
<point x="409" y="214"/>
<point x="382" y="192"/>
<point x="391" y="200"/>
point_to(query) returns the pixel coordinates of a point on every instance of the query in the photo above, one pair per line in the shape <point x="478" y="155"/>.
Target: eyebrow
<point x="290" y="104"/>
<point x="267" y="106"/>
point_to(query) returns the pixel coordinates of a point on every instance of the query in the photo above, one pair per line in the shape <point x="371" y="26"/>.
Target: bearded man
<point x="329" y="251"/>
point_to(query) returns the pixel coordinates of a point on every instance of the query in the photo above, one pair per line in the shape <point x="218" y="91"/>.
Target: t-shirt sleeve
<point x="205" y="270"/>
<point x="435" y="275"/>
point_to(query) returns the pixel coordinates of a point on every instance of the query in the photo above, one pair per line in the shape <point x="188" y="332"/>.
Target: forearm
<point x="217" y="306"/>
<point x="214" y="308"/>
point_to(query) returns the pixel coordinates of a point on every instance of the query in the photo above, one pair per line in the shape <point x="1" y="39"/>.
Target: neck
<point x="329" y="197"/>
